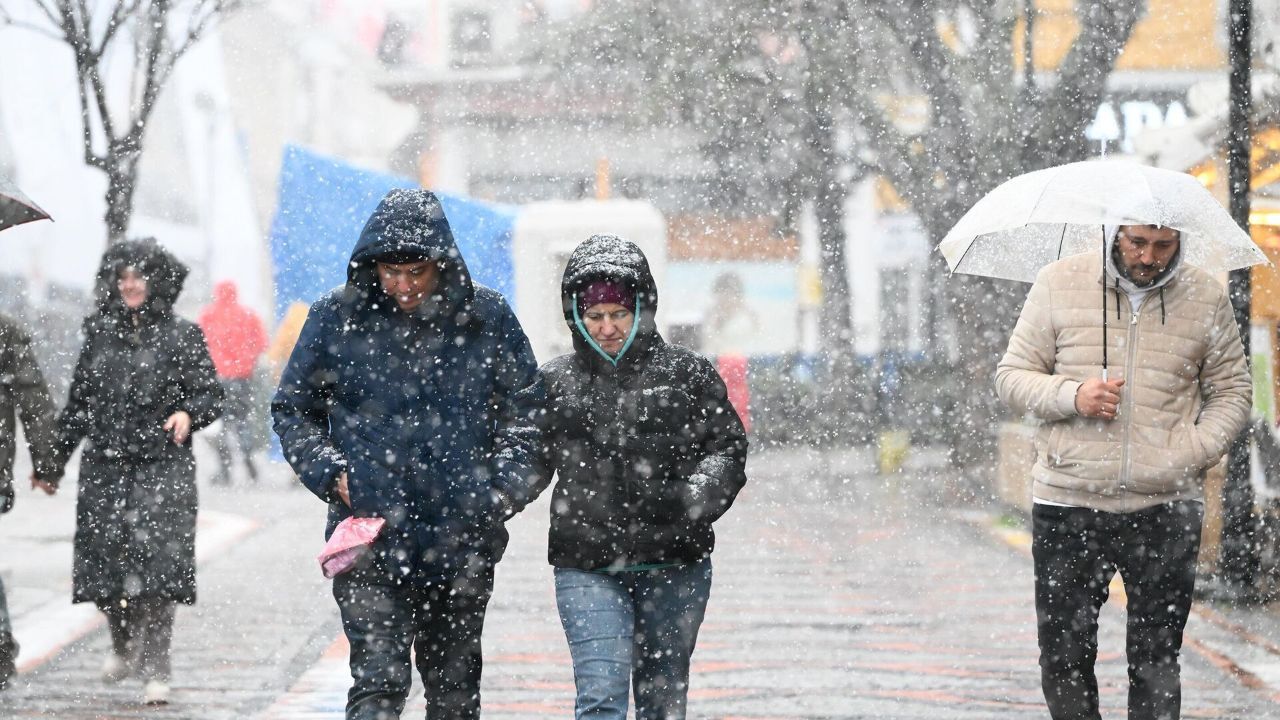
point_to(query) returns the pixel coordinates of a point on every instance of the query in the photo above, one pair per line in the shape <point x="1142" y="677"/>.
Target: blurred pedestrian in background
<point x="403" y="401"/>
<point x="23" y="394"/>
<point x="236" y="339"/>
<point x="143" y="383"/>
<point x="730" y="325"/>
<point x="649" y="453"/>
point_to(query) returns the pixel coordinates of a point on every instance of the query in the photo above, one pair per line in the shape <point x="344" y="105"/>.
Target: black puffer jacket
<point x="136" y="509"/>
<point x="649" y="452"/>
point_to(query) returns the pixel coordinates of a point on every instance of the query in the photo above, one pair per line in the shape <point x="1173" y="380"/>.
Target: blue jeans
<point x="632" y="627"/>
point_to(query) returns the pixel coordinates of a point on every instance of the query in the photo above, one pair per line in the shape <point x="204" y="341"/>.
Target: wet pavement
<point x="838" y="594"/>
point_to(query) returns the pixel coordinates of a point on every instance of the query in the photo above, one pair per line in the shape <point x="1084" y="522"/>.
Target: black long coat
<point x="649" y="451"/>
<point x="136" y="509"/>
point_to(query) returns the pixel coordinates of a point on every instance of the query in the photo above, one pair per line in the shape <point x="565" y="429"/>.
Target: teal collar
<point x="613" y="360"/>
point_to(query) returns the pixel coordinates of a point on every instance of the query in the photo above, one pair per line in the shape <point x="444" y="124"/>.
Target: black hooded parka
<point x="649" y="451"/>
<point x="136" y="509"/>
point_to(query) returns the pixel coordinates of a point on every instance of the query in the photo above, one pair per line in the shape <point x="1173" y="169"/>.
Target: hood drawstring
<point x="1117" y="294"/>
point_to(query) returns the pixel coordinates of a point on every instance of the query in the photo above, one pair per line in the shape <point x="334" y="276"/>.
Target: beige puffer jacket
<point x="1187" y="388"/>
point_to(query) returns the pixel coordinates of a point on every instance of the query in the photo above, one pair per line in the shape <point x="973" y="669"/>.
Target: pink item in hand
<point x="349" y="541"/>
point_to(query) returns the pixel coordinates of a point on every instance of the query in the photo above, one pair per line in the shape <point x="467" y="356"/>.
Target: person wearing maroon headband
<point x="649" y="454"/>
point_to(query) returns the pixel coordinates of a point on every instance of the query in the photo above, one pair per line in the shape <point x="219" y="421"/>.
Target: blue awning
<point x="323" y="204"/>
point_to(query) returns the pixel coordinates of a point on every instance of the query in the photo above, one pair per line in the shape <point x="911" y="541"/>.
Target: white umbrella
<point x="1036" y="218"/>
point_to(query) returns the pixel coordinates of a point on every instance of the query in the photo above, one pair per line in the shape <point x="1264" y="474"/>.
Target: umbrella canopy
<point x="1036" y="218"/>
<point x="16" y="208"/>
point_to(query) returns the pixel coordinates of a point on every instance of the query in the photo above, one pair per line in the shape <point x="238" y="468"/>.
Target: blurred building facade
<point x="494" y="124"/>
<point x="453" y="94"/>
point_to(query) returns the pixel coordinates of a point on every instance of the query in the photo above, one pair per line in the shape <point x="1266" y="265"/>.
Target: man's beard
<point x="1126" y="272"/>
<point x="1156" y="274"/>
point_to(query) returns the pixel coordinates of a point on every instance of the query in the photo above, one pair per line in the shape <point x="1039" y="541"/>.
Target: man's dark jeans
<point x="1076" y="552"/>
<point x="442" y="624"/>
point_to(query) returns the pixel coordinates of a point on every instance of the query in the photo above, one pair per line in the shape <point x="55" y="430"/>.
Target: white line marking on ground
<point x="48" y="630"/>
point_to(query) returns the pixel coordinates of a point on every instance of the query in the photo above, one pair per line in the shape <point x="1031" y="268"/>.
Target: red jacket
<point x="235" y="334"/>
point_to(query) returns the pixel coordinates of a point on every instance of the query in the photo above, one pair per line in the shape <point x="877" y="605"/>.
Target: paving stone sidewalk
<point x="838" y="594"/>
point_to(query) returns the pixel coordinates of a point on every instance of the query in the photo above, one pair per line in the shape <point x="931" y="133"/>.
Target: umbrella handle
<point x="1104" y="374"/>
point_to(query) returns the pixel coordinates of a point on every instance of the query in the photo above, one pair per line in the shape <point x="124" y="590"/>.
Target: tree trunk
<point x="982" y="311"/>
<point x="830" y="193"/>
<point x="837" y="309"/>
<point x="122" y="176"/>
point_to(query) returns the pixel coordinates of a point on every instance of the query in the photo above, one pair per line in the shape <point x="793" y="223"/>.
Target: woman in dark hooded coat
<point x="144" y="382"/>
<point x="649" y="454"/>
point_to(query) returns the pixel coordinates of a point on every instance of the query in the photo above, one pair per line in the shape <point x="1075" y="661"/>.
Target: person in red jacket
<point x="236" y="340"/>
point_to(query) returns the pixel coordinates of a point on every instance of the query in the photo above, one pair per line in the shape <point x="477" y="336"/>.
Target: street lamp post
<point x="1238" y="557"/>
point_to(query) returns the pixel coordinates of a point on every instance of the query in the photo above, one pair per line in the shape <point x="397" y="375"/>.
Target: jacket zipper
<point x="633" y="493"/>
<point x="1130" y="357"/>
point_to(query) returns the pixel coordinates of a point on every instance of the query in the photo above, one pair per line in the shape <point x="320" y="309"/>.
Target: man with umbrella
<point x="1121" y="453"/>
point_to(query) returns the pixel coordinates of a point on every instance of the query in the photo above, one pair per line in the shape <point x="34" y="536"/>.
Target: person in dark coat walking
<point x="650" y="453"/>
<point x="143" y="383"/>
<point x="23" y="393"/>
<point x="403" y="400"/>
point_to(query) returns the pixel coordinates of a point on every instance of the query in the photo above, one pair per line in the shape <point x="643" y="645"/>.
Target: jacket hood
<point x="1111" y="232"/>
<point x="609" y="257"/>
<point x="224" y="293"/>
<point x="410" y="223"/>
<point x="165" y="275"/>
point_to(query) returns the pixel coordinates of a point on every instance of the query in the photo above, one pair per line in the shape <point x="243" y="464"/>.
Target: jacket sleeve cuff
<point x="322" y="477"/>
<point x="1067" y="398"/>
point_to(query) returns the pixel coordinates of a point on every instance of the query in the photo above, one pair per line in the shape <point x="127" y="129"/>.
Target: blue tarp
<point x="322" y="206"/>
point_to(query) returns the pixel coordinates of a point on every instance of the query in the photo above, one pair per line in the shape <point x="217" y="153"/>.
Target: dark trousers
<point x="142" y="634"/>
<point x="237" y="414"/>
<point x="8" y="646"/>
<point x="441" y="623"/>
<point x="1076" y="553"/>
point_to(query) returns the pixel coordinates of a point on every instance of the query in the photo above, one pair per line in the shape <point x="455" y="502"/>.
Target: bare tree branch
<point x="90" y="42"/>
<point x="119" y="13"/>
<point x="49" y="11"/>
<point x="1082" y="76"/>
<point x="7" y="20"/>
<point x="86" y="129"/>
<point x="154" y="64"/>
<point x="196" y="27"/>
